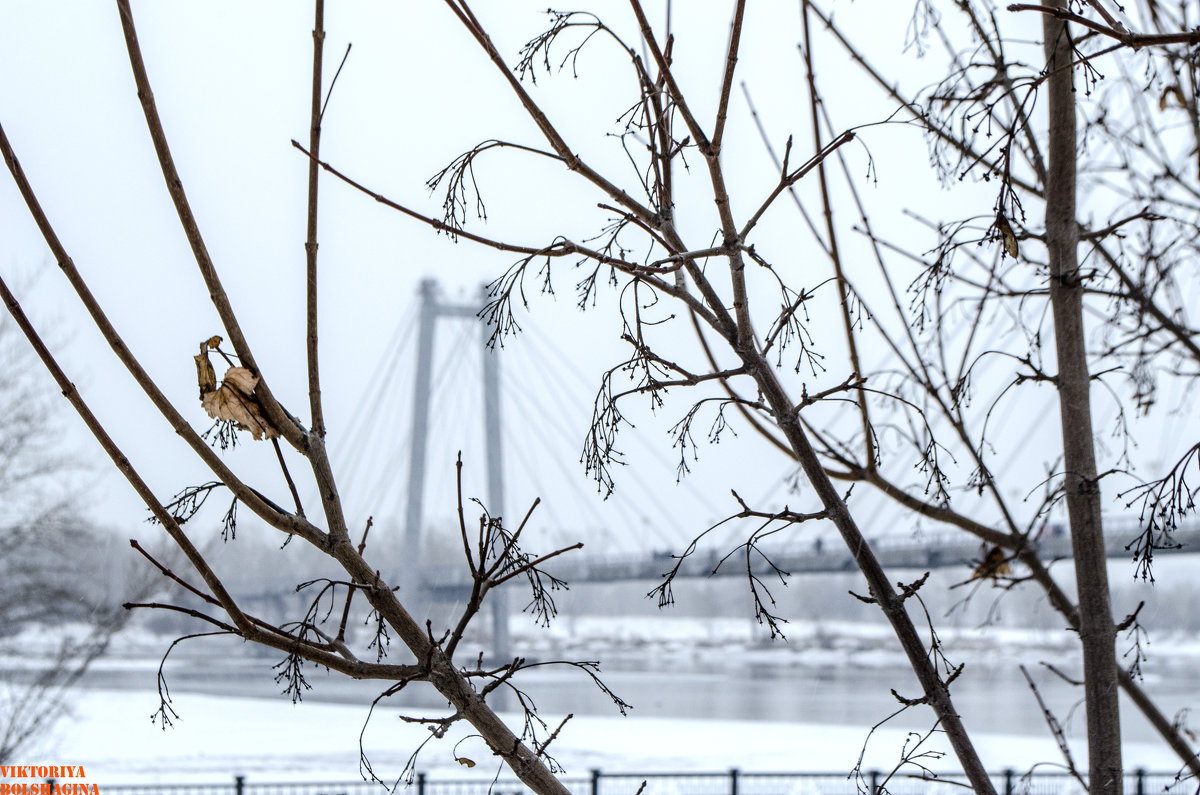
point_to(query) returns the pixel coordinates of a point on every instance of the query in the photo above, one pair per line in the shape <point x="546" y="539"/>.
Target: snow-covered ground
<point x="111" y="733"/>
<point x="216" y="738"/>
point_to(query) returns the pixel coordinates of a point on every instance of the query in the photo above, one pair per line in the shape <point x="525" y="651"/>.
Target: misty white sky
<point x="232" y="84"/>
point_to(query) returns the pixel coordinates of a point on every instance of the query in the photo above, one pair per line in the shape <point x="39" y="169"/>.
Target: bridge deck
<point x="949" y="549"/>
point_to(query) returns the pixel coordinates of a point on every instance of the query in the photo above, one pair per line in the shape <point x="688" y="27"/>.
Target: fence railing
<point x="730" y="782"/>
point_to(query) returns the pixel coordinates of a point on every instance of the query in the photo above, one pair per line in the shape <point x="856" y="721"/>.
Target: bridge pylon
<point x="432" y="309"/>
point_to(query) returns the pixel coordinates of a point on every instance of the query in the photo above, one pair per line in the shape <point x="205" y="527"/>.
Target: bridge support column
<point x="501" y="643"/>
<point x="413" y="592"/>
<point x="411" y="588"/>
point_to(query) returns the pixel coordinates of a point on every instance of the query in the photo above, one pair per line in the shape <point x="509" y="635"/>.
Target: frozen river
<point x="991" y="697"/>
<point x="707" y="695"/>
<point x="689" y="719"/>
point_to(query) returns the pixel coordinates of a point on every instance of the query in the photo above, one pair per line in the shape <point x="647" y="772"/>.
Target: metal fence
<point x="730" y="782"/>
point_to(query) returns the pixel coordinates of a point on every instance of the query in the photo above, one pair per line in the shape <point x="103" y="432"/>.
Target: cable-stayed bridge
<point x="945" y="549"/>
<point x="519" y="417"/>
<point x="512" y="424"/>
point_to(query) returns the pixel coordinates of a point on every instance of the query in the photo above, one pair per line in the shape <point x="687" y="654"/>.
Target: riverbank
<point x="708" y="694"/>
<point x="216" y="737"/>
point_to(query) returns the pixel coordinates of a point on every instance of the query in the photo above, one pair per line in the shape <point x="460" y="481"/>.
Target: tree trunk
<point x="936" y="692"/>
<point x="1096" y="629"/>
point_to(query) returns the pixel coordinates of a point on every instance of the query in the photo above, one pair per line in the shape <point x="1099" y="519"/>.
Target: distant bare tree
<point x="46" y="543"/>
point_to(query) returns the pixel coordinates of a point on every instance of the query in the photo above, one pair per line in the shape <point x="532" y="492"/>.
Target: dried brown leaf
<point x="993" y="566"/>
<point x="234" y="400"/>
<point x="205" y="374"/>
<point x="1172" y="92"/>
<point x="1007" y="234"/>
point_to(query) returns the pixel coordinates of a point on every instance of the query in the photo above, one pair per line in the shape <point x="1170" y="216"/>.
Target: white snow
<point x="111" y="734"/>
<point x="216" y="738"/>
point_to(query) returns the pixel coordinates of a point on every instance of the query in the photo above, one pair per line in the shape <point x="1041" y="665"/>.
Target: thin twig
<point x="285" y="423"/>
<point x="310" y="244"/>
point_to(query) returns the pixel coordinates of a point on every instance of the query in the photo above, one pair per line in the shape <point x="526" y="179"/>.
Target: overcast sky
<point x="232" y="82"/>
